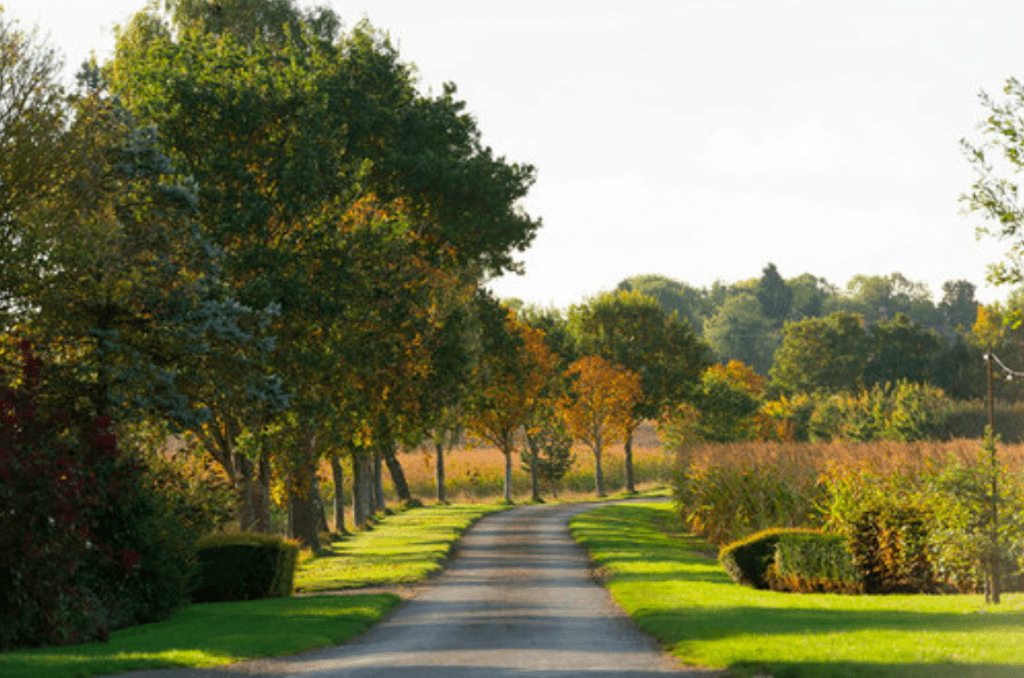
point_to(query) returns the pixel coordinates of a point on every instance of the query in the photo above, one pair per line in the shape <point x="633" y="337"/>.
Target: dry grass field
<point x="476" y="473"/>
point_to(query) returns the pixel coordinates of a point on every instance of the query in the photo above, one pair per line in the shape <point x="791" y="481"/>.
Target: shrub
<point x="890" y="546"/>
<point x="810" y="561"/>
<point x="86" y="545"/>
<point x="245" y="567"/>
<point x="748" y="560"/>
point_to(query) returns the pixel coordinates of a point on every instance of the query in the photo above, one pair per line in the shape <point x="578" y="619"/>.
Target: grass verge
<point x="674" y="589"/>
<point x="209" y="634"/>
<point x="403" y="548"/>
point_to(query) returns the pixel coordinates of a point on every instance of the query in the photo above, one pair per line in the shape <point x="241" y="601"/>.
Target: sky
<point x="701" y="140"/>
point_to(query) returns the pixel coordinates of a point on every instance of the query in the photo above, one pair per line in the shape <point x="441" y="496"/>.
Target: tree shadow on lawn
<point x="872" y="670"/>
<point x="691" y="623"/>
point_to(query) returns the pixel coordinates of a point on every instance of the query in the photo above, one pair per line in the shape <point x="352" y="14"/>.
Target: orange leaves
<point x="513" y="385"/>
<point x="604" y="398"/>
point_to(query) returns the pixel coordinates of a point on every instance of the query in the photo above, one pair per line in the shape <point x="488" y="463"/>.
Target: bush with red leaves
<point x="85" y="543"/>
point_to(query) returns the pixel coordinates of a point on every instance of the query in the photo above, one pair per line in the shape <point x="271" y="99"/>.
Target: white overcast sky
<point x="701" y="140"/>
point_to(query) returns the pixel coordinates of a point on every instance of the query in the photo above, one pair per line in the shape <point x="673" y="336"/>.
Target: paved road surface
<point x="517" y="600"/>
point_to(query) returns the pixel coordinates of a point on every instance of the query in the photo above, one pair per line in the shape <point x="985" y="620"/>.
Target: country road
<point x="517" y="600"/>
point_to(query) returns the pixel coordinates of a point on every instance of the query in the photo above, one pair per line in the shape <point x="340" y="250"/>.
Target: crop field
<point x="475" y="473"/>
<point x="732" y="490"/>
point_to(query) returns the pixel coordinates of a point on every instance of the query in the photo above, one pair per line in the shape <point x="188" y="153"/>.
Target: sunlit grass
<point x="210" y="634"/>
<point x="686" y="600"/>
<point x="402" y="548"/>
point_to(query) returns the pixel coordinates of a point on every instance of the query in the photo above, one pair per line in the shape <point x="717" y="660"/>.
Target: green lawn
<point x="687" y="601"/>
<point x="403" y="548"/>
<point x="210" y="634"/>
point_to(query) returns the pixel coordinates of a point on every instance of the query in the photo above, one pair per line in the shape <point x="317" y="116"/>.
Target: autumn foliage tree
<point x="515" y="368"/>
<point x="599" y="410"/>
<point x="633" y="331"/>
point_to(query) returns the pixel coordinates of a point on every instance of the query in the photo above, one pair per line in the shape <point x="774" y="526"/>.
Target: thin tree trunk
<point x="534" y="453"/>
<point x="243" y="485"/>
<point x="397" y="475"/>
<point x="598" y="473"/>
<point x="319" y="511"/>
<point x="439" y="471"/>
<point x="508" y="476"/>
<point x="261" y="495"/>
<point x="378" y="482"/>
<point x="628" y="457"/>
<point x="338" y="473"/>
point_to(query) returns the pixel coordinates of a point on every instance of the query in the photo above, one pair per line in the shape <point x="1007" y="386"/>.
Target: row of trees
<point x="251" y="226"/>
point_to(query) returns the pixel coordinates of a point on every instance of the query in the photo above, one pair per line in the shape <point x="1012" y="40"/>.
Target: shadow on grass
<point x="879" y="670"/>
<point x="209" y="633"/>
<point x="675" y="624"/>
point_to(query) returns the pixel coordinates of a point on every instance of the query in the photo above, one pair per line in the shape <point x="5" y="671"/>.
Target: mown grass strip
<point x="210" y="634"/>
<point x="686" y="600"/>
<point x="403" y="548"/>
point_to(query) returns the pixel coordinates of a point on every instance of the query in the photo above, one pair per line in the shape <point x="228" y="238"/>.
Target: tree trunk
<point x="303" y="505"/>
<point x="302" y="509"/>
<point x="338" y="474"/>
<point x="534" y="453"/>
<point x="598" y="473"/>
<point x="320" y="512"/>
<point x="397" y="475"/>
<point x="439" y="471"/>
<point x="508" y="476"/>
<point x="261" y="496"/>
<point x="362" y="487"/>
<point x="243" y="485"/>
<point x="378" y="482"/>
<point x="628" y="457"/>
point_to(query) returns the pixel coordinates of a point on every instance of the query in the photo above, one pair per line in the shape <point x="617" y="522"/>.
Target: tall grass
<point x="726" y="491"/>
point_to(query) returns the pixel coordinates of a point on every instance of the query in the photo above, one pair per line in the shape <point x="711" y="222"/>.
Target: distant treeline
<point x="809" y="335"/>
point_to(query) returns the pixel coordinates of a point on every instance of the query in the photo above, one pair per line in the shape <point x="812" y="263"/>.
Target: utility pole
<point x="992" y="576"/>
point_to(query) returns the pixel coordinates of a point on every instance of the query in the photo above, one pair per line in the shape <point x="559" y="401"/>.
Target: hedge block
<point x="245" y="567"/>
<point x="807" y="562"/>
<point x="747" y="560"/>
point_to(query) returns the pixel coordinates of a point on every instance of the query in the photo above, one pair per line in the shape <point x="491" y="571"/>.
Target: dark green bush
<point x="245" y="567"/>
<point x="807" y="562"/>
<point x="891" y="548"/>
<point x="87" y="543"/>
<point x="747" y="560"/>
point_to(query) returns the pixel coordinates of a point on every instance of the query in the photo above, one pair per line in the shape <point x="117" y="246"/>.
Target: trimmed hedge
<point x="245" y="566"/>
<point x="747" y="560"/>
<point x="809" y="562"/>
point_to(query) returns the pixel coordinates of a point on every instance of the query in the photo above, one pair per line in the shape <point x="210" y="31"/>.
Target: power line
<point x="1010" y="373"/>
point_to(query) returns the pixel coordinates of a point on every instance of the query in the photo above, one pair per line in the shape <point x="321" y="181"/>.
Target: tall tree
<point x="996" y="157"/>
<point x="33" y="110"/>
<point x="633" y="331"/>
<point x="690" y="303"/>
<point x="514" y="371"/>
<point x="959" y="307"/>
<point x="286" y="124"/>
<point x="600" y="406"/>
<point x="739" y="331"/>
<point x="822" y="354"/>
<point x="774" y="295"/>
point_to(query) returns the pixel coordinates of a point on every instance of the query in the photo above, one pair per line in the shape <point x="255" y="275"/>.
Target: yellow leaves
<point x="604" y="398"/>
<point x="737" y="374"/>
